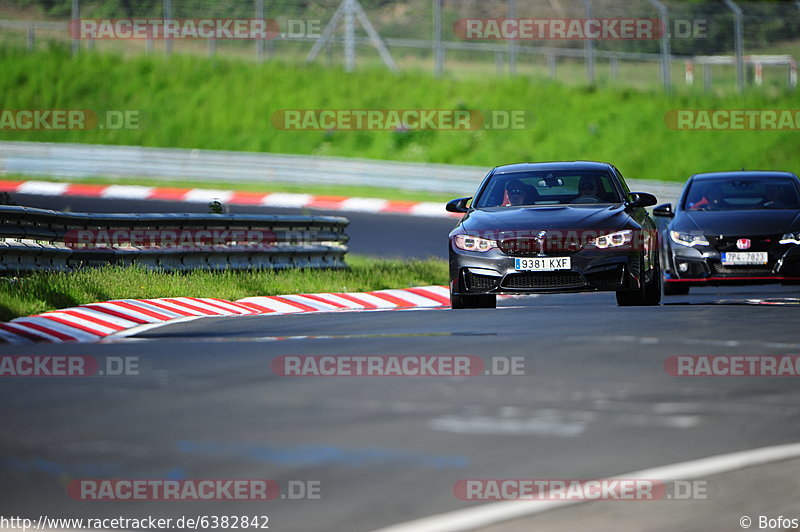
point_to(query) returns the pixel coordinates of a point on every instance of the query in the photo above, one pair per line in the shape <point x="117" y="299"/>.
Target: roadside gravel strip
<point x="89" y="323"/>
<point x="230" y="197"/>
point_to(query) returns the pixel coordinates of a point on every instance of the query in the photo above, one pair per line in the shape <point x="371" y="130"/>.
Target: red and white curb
<point x="228" y="197"/>
<point x="89" y="323"/>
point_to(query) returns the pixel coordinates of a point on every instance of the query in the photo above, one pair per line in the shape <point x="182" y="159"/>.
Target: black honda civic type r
<point x="554" y="227"/>
<point x="731" y="228"/>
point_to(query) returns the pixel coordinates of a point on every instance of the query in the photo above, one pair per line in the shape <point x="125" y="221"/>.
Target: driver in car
<point x="713" y="200"/>
<point x="588" y="190"/>
<point x="772" y="197"/>
<point x="516" y="193"/>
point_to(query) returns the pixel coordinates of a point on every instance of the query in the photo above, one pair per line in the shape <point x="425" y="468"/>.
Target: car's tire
<point x="676" y="289"/>
<point x="648" y="295"/>
<point x="477" y="301"/>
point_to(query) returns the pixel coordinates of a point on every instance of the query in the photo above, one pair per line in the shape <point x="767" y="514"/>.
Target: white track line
<point x="498" y="512"/>
<point x="490" y="514"/>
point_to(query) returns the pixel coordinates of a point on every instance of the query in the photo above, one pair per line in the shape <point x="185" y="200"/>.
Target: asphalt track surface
<point x="595" y="400"/>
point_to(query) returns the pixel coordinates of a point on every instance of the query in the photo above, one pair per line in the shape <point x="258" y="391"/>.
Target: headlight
<point x="688" y="239"/>
<point x="613" y="240"/>
<point x="474" y="243"/>
<point x="791" y="238"/>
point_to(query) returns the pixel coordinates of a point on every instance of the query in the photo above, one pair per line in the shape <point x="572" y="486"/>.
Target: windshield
<point x="548" y="188"/>
<point x="732" y="194"/>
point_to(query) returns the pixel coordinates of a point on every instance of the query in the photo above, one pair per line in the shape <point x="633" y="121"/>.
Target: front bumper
<point x="697" y="266"/>
<point x="494" y="272"/>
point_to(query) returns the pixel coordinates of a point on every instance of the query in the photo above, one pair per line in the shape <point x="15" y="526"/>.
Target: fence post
<point x="349" y="37"/>
<point x="553" y="64"/>
<point x="739" y="30"/>
<point x="31" y="37"/>
<point x="613" y="63"/>
<point x="589" y="46"/>
<point x="511" y="13"/>
<point x="76" y="14"/>
<point x="708" y="77"/>
<point x="259" y="5"/>
<point x="793" y="63"/>
<point x="438" y="47"/>
<point x="666" y="53"/>
<point x="168" y="17"/>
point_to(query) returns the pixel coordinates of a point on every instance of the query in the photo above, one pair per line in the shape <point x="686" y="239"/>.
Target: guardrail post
<point x="739" y="36"/>
<point x="666" y="53"/>
<point x="513" y="45"/>
<point x="589" y="46"/>
<point x="438" y="47"/>
<point x="168" y="16"/>
<point x="259" y="6"/>
<point x="76" y="14"/>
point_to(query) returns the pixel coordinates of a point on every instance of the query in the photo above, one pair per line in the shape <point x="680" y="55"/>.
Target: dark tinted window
<point x="732" y="194"/>
<point x="548" y="188"/>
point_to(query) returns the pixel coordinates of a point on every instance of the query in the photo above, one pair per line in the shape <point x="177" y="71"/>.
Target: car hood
<point x="737" y="223"/>
<point x="556" y="217"/>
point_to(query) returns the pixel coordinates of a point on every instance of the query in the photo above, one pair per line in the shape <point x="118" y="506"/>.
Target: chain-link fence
<point x="630" y="42"/>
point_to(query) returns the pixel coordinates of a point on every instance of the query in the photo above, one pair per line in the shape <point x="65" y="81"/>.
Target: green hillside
<point x="193" y="102"/>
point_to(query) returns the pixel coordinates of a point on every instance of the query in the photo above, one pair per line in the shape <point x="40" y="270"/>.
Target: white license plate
<point x="542" y="264"/>
<point x="747" y="257"/>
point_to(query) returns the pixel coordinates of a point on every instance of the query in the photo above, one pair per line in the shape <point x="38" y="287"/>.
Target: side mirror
<point x="641" y="199"/>
<point x="458" y="205"/>
<point x="664" y="210"/>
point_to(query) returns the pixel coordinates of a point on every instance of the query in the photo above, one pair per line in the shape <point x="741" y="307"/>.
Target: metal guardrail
<point x="39" y="239"/>
<point x="120" y="162"/>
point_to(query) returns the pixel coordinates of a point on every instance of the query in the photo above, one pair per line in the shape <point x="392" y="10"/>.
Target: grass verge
<point x="40" y="292"/>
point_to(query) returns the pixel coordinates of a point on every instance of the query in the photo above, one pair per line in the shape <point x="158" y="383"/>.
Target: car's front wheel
<point x="648" y="295"/>
<point x="477" y="301"/>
